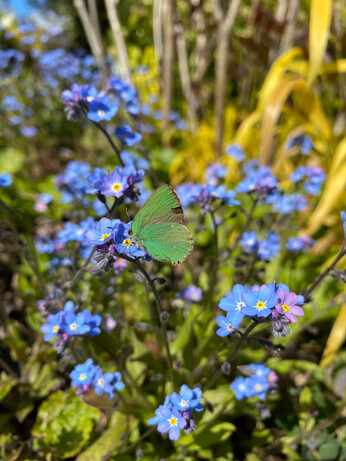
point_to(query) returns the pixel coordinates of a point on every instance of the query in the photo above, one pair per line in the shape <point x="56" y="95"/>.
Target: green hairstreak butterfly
<point x="158" y="227"/>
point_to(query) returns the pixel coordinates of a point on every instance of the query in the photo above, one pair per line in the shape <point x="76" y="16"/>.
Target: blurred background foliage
<point x="251" y="72"/>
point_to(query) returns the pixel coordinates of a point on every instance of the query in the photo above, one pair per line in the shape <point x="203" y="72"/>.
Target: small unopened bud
<point x="160" y="280"/>
<point x="164" y="317"/>
<point x="226" y="368"/>
<point x="143" y="326"/>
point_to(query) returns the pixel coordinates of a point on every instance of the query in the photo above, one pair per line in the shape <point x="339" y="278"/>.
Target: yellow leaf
<point x="334" y="187"/>
<point x="271" y="115"/>
<point x="244" y="132"/>
<point x="276" y="74"/>
<point x="336" y="338"/>
<point x="320" y="16"/>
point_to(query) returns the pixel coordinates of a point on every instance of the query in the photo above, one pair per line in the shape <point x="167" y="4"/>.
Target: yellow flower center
<point x="260" y="305"/>
<point x="258" y="387"/>
<point x="56" y="328"/>
<point x="101" y="382"/>
<point x="82" y="376"/>
<point x="127" y="243"/>
<point x="230" y="327"/>
<point x="116" y="187"/>
<point x="101" y="113"/>
<point x="104" y="236"/>
<point x="285" y="308"/>
<point x="173" y="421"/>
<point x="252" y="187"/>
<point x="90" y="98"/>
<point x="193" y="296"/>
<point x="73" y="326"/>
<point x="183" y="403"/>
<point x="119" y="260"/>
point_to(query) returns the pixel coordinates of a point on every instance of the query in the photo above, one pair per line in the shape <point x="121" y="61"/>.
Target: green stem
<point x="114" y="147"/>
<point x="159" y="311"/>
<point x="245" y="226"/>
<point x="318" y="280"/>
<point x="235" y="349"/>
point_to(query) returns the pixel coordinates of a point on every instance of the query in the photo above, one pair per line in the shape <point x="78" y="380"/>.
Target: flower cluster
<point x="287" y="203"/>
<point x="87" y="375"/>
<point x="265" y="249"/>
<point x="86" y="100"/>
<point x="314" y="177"/>
<point x="120" y="182"/>
<point x="177" y="412"/>
<point x="205" y="195"/>
<point x="259" y="179"/>
<point x="300" y="243"/>
<point x="113" y="240"/>
<point x="302" y="142"/>
<point x="261" y="380"/>
<point x="67" y="323"/>
<point x="274" y="301"/>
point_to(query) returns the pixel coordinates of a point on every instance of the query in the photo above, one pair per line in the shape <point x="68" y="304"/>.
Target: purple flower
<point x="42" y="202"/>
<point x="29" y="131"/>
<point x="192" y="294"/>
<point x="287" y="306"/>
<point x="114" y="185"/>
<point x="214" y="172"/>
<point x="119" y="265"/>
<point x="259" y="302"/>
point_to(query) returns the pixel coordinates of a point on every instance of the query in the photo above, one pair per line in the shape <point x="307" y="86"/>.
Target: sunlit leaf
<point x="320" y="17"/>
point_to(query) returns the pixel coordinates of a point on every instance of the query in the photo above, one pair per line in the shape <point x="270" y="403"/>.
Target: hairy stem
<point x="114" y="147"/>
<point x="232" y="353"/>
<point x="159" y="311"/>
<point x="319" y="279"/>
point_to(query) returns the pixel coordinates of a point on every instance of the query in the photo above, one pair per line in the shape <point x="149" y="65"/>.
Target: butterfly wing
<point x="167" y="241"/>
<point x="162" y="206"/>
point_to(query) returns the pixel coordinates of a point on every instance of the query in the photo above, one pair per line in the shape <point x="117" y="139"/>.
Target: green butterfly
<point x="158" y="227"/>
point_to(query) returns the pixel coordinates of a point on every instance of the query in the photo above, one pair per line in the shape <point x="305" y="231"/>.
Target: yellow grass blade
<point x="320" y="17"/>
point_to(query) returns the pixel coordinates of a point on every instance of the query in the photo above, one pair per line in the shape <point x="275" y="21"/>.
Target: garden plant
<point x="172" y="233"/>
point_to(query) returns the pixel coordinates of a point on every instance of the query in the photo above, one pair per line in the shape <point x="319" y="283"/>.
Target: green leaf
<point x="64" y="424"/>
<point x="111" y="440"/>
<point x="6" y="384"/>
<point x="11" y="160"/>
<point x="329" y="451"/>
<point x="184" y="333"/>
